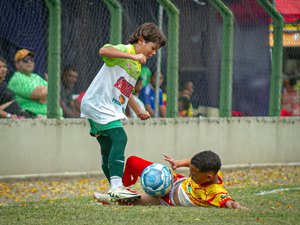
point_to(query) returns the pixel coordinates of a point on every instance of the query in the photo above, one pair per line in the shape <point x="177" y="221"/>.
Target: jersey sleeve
<point x="220" y="199"/>
<point x="115" y="61"/>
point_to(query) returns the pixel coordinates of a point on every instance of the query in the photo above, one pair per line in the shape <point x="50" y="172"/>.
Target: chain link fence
<point x="85" y="28"/>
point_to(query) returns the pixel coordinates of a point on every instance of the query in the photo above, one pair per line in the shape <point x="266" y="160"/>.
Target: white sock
<point x="116" y="182"/>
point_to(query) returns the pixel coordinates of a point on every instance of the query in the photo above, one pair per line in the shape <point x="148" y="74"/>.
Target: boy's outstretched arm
<point x="112" y="52"/>
<point x="142" y="114"/>
<point x="177" y="163"/>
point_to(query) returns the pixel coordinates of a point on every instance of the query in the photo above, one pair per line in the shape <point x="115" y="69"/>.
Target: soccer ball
<point x="156" y="180"/>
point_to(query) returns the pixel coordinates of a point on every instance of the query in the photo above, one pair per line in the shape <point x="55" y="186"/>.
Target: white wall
<point x="61" y="146"/>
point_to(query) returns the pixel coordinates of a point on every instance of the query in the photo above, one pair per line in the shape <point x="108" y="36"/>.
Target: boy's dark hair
<point x="207" y="161"/>
<point x="150" y="33"/>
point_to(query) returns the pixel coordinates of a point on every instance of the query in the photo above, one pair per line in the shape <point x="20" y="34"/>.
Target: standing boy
<point x="105" y="101"/>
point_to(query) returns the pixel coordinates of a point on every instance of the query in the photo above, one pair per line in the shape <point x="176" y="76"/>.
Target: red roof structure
<point x="290" y="10"/>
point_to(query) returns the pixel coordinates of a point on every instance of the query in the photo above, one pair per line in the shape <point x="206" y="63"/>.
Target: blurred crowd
<point x="24" y="94"/>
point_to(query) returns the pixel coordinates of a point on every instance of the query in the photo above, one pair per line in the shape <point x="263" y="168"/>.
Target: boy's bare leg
<point x="146" y="200"/>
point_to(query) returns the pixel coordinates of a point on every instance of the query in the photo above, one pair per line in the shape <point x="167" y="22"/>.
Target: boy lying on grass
<point x="203" y="187"/>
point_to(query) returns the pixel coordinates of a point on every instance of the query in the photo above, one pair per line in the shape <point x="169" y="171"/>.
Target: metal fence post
<point x="225" y="104"/>
<point x="276" y="82"/>
<point x="115" y="31"/>
<point x="54" y="61"/>
<point x="173" y="56"/>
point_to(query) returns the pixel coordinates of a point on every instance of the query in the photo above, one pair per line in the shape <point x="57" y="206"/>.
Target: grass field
<point x="69" y="201"/>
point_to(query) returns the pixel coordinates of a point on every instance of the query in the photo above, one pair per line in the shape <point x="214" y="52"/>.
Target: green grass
<point x="276" y="208"/>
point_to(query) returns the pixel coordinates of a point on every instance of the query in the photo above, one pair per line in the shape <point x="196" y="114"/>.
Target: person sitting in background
<point x="9" y="108"/>
<point x="290" y="99"/>
<point x="147" y="96"/>
<point x="68" y="80"/>
<point x="137" y="89"/>
<point x="189" y="86"/>
<point x="185" y="108"/>
<point x="31" y="90"/>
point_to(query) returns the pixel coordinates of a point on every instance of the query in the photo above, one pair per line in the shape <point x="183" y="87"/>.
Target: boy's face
<point x="200" y="177"/>
<point x="153" y="80"/>
<point x="70" y="78"/>
<point x="148" y="49"/>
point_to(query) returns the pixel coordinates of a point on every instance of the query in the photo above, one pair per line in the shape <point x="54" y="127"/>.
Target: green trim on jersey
<point x="97" y="128"/>
<point x="133" y="68"/>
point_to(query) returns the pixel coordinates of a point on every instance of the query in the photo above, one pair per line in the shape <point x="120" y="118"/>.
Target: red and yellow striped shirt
<point x="206" y="195"/>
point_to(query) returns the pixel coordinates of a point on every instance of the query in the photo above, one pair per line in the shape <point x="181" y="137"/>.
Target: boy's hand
<point x="171" y="161"/>
<point x="234" y="205"/>
<point x="140" y="57"/>
<point x="144" y="115"/>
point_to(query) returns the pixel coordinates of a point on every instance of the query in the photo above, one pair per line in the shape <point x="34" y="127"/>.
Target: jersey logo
<point x="119" y="102"/>
<point x="116" y="101"/>
<point x="224" y="196"/>
<point x="121" y="99"/>
<point x="124" y="87"/>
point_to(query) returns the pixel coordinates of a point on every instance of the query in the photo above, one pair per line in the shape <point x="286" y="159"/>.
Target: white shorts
<point x="183" y="199"/>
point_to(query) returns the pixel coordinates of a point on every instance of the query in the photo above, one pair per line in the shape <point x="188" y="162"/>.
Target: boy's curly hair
<point x="150" y="33"/>
<point x="207" y="161"/>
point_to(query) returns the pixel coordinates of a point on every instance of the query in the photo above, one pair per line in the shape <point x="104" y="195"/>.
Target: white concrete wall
<point x="64" y="146"/>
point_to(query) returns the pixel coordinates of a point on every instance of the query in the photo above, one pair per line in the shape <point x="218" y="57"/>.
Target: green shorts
<point x="97" y="128"/>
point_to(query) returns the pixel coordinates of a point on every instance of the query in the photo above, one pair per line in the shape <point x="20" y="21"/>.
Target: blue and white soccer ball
<point x="156" y="180"/>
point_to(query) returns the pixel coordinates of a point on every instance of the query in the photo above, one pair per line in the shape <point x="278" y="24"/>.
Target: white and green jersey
<point x="106" y="98"/>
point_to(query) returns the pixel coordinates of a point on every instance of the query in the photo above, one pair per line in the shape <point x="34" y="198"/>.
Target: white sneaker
<point x="122" y="193"/>
<point x="102" y="198"/>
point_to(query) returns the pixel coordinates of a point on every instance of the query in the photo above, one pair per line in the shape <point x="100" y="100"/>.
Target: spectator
<point x="185" y="108"/>
<point x="188" y="85"/>
<point x="68" y="80"/>
<point x="164" y="90"/>
<point x="147" y="96"/>
<point x="31" y="90"/>
<point x="290" y="99"/>
<point x="137" y="89"/>
<point x="9" y="108"/>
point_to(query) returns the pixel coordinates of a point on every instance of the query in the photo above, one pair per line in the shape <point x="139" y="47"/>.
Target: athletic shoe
<point x="102" y="198"/>
<point x="122" y="194"/>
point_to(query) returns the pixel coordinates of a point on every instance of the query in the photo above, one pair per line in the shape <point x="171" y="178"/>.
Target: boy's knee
<point x="123" y="141"/>
<point x="131" y="160"/>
